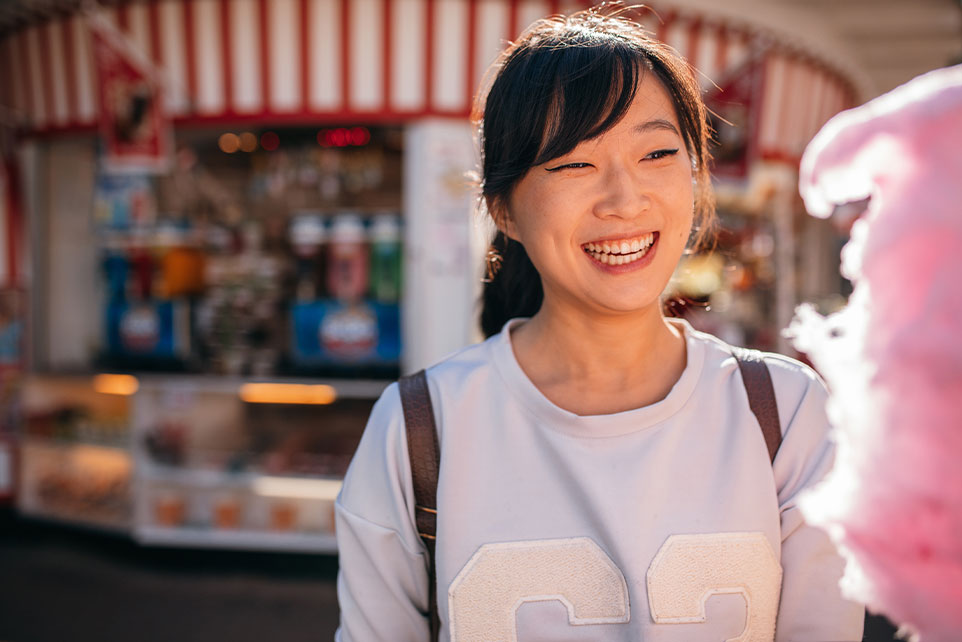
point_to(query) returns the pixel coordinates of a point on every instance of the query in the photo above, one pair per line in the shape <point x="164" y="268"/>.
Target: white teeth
<point x="622" y="252"/>
<point x="617" y="259"/>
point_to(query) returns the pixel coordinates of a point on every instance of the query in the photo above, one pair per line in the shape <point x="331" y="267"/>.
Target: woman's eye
<point x="567" y="166"/>
<point x="661" y="153"/>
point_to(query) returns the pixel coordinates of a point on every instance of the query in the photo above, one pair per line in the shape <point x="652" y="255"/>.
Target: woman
<point x="602" y="476"/>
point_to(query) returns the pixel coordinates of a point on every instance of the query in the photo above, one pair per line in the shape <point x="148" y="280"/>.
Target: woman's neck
<point x="600" y="364"/>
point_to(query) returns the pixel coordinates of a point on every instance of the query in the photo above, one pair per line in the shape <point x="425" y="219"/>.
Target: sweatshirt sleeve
<point x="382" y="583"/>
<point x="812" y="607"/>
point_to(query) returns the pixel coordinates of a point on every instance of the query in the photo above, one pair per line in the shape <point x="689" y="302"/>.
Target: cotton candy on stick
<point x="893" y="356"/>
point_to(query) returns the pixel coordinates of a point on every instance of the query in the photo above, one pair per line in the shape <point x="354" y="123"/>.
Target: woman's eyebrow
<point x="656" y="124"/>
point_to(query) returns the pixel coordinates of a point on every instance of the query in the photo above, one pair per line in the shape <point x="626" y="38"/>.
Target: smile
<point x="620" y="252"/>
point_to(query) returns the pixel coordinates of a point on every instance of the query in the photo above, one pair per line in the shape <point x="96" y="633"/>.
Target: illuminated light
<point x="293" y="488"/>
<point x="340" y="137"/>
<point x="228" y="143"/>
<point x="270" y="141"/>
<point x="360" y="136"/>
<point x="288" y="393"/>
<point x="87" y="459"/>
<point x="116" y="384"/>
<point x="248" y="142"/>
<point x="324" y="138"/>
<point x="701" y="275"/>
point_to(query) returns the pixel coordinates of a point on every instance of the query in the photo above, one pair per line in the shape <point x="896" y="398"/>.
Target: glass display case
<point x="75" y="463"/>
<point x="198" y="461"/>
<point x="231" y="463"/>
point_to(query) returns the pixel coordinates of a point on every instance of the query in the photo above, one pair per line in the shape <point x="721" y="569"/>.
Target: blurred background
<point x="227" y="225"/>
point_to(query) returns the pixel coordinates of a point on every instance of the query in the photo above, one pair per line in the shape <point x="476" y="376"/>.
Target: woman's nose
<point x="622" y="193"/>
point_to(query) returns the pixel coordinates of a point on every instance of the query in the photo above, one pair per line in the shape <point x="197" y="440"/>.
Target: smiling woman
<point x="627" y="185"/>
<point x="554" y="93"/>
<point x="601" y="474"/>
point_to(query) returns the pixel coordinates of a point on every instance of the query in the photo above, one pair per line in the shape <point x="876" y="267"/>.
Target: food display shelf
<point x="236" y="540"/>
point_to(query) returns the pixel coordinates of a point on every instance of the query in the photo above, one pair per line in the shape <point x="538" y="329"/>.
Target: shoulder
<point x="801" y="398"/>
<point x="465" y="361"/>
<point x="381" y="460"/>
<point x="794" y="380"/>
<point x="387" y="416"/>
<point x="795" y="383"/>
<point x="469" y="370"/>
<point x="807" y="449"/>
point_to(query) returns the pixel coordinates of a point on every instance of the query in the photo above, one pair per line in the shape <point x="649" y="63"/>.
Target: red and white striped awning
<point x="799" y="96"/>
<point x="322" y="60"/>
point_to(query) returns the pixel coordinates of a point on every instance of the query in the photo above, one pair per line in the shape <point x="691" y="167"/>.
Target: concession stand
<point x="227" y="225"/>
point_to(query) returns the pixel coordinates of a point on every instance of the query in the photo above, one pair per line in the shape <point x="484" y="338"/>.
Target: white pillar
<point x="773" y="189"/>
<point x="442" y="265"/>
<point x="783" y="214"/>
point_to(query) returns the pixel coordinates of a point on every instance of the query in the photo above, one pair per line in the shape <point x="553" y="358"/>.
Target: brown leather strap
<point x="425" y="455"/>
<point x="761" y="396"/>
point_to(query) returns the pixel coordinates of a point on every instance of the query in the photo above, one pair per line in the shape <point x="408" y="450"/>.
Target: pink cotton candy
<point x="893" y="356"/>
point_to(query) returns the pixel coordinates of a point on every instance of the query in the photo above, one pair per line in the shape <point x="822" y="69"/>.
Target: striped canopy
<point x="371" y="60"/>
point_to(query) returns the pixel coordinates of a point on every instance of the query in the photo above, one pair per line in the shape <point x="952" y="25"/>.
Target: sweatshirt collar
<point x="611" y="425"/>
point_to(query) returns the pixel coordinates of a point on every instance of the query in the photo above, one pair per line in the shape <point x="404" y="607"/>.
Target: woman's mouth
<point x="622" y="251"/>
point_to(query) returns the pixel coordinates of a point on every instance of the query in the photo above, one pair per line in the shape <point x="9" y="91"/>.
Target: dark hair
<point x="564" y="81"/>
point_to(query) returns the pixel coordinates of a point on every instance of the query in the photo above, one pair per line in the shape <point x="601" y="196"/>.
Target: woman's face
<point x="606" y="224"/>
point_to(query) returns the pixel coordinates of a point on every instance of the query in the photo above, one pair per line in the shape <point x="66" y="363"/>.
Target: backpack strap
<point x="761" y="396"/>
<point x="425" y="455"/>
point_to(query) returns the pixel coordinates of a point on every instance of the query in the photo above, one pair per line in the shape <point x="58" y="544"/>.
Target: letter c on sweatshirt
<point x="484" y="597"/>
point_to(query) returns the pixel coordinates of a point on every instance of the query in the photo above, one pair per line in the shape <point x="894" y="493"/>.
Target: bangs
<point x="553" y="92"/>
<point x="585" y="93"/>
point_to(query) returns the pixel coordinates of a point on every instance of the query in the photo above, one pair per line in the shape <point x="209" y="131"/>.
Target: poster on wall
<point x="134" y="130"/>
<point x="123" y="202"/>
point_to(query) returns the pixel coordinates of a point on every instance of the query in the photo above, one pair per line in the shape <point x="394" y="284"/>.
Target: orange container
<point x="283" y="516"/>
<point x="169" y="510"/>
<point x="182" y="270"/>
<point x="227" y="513"/>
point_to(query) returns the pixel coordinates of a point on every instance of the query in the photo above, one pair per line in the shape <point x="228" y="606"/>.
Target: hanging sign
<point x="134" y="129"/>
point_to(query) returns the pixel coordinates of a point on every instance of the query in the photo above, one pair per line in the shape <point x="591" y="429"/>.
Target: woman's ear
<point x="510" y="229"/>
<point x="502" y="219"/>
<point x="499" y="214"/>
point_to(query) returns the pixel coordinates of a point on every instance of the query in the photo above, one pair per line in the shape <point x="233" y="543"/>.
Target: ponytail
<point x="512" y="290"/>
